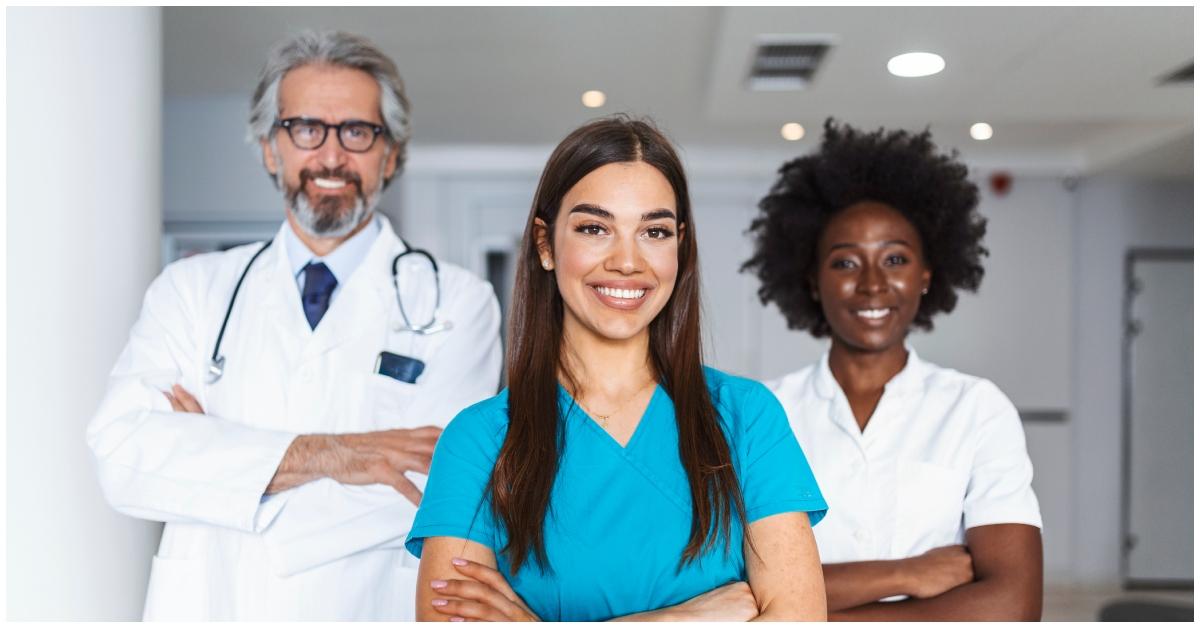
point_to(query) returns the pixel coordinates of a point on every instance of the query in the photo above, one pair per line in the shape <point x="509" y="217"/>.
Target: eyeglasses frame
<point x="286" y="125"/>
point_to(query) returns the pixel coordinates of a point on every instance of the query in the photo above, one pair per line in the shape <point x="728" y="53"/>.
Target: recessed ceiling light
<point x="792" y="131"/>
<point x="915" y="64"/>
<point x="981" y="131"/>
<point x="593" y="98"/>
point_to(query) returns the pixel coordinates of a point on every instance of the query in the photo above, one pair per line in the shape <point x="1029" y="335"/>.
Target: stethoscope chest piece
<point x="216" y="368"/>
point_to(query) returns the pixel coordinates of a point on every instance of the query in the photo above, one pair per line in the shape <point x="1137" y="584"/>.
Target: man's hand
<point x="938" y="570"/>
<point x="383" y="457"/>
<point x="182" y="400"/>
<point x="364" y="458"/>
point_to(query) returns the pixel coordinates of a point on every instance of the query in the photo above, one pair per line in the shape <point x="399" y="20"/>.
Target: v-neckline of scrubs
<point x="593" y="424"/>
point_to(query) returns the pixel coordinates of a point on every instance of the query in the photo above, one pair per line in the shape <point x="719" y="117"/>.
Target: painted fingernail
<point x="438" y="584"/>
<point x="457" y="619"/>
<point x="458" y="561"/>
<point x="440" y="602"/>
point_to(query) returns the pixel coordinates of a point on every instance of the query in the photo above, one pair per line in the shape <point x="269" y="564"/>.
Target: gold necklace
<point x="603" y="418"/>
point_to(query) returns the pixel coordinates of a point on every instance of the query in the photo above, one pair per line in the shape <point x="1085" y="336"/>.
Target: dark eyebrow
<point x="850" y="245"/>
<point x="595" y="210"/>
<point x="585" y="208"/>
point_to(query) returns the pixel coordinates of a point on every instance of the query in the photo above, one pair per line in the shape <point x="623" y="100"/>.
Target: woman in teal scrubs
<point x="616" y="477"/>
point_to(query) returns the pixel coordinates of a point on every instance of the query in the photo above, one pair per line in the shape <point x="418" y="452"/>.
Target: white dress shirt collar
<point x="342" y="261"/>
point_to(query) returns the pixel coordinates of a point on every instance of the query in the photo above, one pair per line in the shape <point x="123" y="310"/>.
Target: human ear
<point x="269" y="158"/>
<point x="541" y="237"/>
<point x="393" y="156"/>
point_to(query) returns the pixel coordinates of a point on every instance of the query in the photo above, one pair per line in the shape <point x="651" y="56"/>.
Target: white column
<point x="84" y="222"/>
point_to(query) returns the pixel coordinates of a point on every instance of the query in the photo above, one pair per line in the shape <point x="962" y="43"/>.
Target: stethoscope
<point x="216" y="365"/>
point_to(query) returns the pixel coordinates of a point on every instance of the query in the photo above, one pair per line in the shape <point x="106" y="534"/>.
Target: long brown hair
<point x="528" y="462"/>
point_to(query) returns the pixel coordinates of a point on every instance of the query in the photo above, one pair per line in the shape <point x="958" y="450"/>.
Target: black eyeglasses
<point x="355" y="136"/>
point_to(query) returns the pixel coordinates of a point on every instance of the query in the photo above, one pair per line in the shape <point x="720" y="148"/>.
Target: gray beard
<point x="328" y="218"/>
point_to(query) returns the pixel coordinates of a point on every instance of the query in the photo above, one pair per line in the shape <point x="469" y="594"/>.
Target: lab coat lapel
<point x="282" y="294"/>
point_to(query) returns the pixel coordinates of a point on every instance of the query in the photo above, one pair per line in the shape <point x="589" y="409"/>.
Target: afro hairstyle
<point x="897" y="168"/>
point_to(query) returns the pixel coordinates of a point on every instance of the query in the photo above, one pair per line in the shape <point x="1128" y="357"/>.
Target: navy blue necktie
<point x="319" y="283"/>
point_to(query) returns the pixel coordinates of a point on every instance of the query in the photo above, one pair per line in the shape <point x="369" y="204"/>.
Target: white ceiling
<point x="1071" y="88"/>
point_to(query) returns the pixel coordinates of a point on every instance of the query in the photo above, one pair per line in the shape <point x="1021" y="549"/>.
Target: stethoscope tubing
<point x="432" y="326"/>
<point x="216" y="366"/>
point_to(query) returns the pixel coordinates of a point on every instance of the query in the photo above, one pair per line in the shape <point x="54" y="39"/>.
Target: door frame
<point x="1132" y="256"/>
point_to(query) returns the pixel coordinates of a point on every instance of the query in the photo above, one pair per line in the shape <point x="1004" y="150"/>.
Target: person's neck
<point x="601" y="367"/>
<point x="859" y="371"/>
<point x="324" y="246"/>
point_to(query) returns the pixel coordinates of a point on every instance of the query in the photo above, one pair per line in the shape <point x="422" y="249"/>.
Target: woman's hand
<point x="938" y="570"/>
<point x="484" y="596"/>
<point x="732" y="602"/>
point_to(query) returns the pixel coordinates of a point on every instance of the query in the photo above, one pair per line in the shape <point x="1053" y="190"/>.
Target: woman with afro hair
<point x="931" y="510"/>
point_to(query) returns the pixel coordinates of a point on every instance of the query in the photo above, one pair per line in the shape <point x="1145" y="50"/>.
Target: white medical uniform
<point x="942" y="452"/>
<point x="322" y="550"/>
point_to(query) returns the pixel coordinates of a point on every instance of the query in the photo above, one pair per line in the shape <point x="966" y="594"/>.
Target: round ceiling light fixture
<point x="593" y="98"/>
<point x="981" y="131"/>
<point x="914" y="64"/>
<point x="792" y="131"/>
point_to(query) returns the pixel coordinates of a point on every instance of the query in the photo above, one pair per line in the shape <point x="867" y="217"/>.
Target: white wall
<point x="83" y="220"/>
<point x="1111" y="216"/>
<point x="208" y="167"/>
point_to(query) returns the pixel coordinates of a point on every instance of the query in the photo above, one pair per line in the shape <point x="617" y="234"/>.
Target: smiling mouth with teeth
<point x="329" y="184"/>
<point x="618" y="293"/>
<point x="873" y="314"/>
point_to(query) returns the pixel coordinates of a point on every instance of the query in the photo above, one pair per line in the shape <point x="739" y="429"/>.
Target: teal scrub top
<point x="619" y="517"/>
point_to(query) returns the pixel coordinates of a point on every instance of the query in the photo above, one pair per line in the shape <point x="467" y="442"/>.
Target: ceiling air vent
<point x="1181" y="76"/>
<point x="787" y="62"/>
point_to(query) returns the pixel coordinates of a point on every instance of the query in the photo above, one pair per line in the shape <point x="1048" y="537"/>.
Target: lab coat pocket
<point x="929" y="506"/>
<point x="388" y="401"/>
<point x="178" y="590"/>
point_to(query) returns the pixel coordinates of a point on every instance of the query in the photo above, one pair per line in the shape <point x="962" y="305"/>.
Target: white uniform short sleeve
<point x="1000" y="489"/>
<point x="943" y="452"/>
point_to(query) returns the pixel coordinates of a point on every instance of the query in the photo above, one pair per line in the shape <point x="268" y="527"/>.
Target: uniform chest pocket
<point x="386" y="401"/>
<point x="929" y="506"/>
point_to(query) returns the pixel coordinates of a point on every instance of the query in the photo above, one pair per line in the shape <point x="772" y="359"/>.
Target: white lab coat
<point x="322" y="550"/>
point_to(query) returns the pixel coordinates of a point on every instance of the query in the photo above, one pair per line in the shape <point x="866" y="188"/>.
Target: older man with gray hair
<point x="277" y="404"/>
